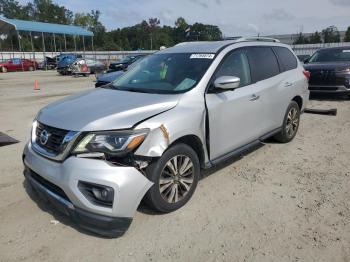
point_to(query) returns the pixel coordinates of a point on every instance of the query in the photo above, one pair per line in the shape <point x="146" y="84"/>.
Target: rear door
<point x="288" y="82"/>
<point x="235" y="117"/>
<point x="266" y="75"/>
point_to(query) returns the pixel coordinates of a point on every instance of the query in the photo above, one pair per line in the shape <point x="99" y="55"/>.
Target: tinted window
<point x="236" y="64"/>
<point x="263" y="63"/>
<point x="286" y="58"/>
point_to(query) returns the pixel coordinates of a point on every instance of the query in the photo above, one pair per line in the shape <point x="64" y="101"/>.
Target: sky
<point x="234" y="17"/>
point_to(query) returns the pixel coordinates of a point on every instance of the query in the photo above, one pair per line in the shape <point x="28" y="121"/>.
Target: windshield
<point x="126" y="59"/>
<point x="165" y="73"/>
<point x="330" y="55"/>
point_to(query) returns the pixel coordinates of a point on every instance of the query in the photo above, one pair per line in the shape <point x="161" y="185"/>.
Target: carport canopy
<point x="7" y="25"/>
<point x="15" y="25"/>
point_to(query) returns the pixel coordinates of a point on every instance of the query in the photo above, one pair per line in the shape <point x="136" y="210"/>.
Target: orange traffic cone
<point x="36" y="85"/>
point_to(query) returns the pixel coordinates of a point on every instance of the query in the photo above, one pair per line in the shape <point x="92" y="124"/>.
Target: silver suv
<point x="146" y="136"/>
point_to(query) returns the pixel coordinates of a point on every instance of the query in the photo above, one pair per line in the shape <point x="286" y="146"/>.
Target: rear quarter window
<point x="263" y="63"/>
<point x="286" y="58"/>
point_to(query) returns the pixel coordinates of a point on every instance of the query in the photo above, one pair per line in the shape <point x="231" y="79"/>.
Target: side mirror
<point x="227" y="82"/>
<point x="306" y="61"/>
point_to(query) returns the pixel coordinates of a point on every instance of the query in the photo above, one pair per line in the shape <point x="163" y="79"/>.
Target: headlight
<point x="344" y="70"/>
<point x="111" y="142"/>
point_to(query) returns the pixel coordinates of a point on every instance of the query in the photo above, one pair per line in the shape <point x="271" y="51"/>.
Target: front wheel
<point x="31" y="68"/>
<point x="290" y="123"/>
<point x="3" y="69"/>
<point x="175" y="176"/>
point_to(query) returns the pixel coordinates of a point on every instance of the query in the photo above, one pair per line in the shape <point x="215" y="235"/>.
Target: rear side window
<point x="263" y="63"/>
<point x="286" y="58"/>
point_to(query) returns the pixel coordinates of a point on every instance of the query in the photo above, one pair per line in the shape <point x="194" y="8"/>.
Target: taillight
<point x="307" y="74"/>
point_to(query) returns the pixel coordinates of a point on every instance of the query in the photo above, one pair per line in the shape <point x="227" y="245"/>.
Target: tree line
<point x="145" y="35"/>
<point x="328" y="35"/>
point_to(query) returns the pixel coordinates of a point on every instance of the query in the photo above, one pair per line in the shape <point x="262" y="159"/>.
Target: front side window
<point x="330" y="55"/>
<point x="165" y="73"/>
<point x="236" y="64"/>
<point x="16" y="61"/>
<point x="263" y="62"/>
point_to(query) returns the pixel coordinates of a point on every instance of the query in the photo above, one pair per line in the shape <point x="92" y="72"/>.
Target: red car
<point x="17" y="64"/>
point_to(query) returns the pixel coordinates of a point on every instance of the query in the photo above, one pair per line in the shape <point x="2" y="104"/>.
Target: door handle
<point x="254" y="97"/>
<point x="286" y="84"/>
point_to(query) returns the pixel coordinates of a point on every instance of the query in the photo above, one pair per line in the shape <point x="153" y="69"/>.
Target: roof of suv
<point x="210" y="46"/>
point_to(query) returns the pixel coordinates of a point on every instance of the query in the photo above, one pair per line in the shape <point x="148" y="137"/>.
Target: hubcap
<point x="176" y="179"/>
<point x="292" y="122"/>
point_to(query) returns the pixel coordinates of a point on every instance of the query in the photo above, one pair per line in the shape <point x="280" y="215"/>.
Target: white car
<point x="147" y="135"/>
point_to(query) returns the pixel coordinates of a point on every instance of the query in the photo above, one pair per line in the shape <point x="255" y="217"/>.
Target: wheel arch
<point x="299" y="101"/>
<point x="195" y="143"/>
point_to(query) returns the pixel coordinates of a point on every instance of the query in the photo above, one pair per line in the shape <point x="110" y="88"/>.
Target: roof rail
<point x="258" y="38"/>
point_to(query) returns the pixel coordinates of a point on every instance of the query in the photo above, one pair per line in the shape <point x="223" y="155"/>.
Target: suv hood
<point x="105" y="109"/>
<point x="327" y="66"/>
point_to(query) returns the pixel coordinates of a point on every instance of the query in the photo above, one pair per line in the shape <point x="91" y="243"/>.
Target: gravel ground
<point x="281" y="202"/>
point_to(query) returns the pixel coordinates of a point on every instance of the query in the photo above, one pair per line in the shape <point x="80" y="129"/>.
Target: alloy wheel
<point x="292" y="122"/>
<point x="176" y="178"/>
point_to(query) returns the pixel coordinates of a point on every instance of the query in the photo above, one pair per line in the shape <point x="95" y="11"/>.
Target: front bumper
<point x="336" y="89"/>
<point x="128" y="183"/>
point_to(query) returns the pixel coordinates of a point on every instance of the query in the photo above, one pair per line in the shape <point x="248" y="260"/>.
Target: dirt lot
<point x="279" y="203"/>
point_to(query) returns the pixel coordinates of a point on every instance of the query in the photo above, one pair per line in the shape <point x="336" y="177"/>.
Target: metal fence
<point x="99" y="55"/>
<point x="309" y="49"/>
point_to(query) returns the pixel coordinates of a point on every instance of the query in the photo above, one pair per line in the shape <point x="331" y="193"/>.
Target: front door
<point x="235" y="117"/>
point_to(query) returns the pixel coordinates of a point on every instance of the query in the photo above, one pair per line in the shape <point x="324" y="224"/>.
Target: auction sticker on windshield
<point x="202" y="56"/>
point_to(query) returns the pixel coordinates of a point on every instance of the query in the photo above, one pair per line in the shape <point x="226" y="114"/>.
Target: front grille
<point x="55" y="140"/>
<point x="48" y="185"/>
<point x="323" y="77"/>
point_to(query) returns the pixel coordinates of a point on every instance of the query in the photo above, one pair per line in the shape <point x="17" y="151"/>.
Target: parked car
<point x="49" y="63"/>
<point x="124" y="63"/>
<point x="93" y="66"/>
<point x="66" y="60"/>
<point x="330" y="70"/>
<point x="149" y="134"/>
<point x="18" y="64"/>
<point x="107" y="78"/>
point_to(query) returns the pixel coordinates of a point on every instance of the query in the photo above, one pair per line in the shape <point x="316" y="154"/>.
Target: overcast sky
<point x="234" y="17"/>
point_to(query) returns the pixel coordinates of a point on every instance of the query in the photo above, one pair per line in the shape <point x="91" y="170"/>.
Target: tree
<point x="331" y="35"/>
<point x="148" y="34"/>
<point x="347" y="35"/>
<point x="301" y="39"/>
<point x="12" y="9"/>
<point x="315" y="38"/>
<point x="91" y="21"/>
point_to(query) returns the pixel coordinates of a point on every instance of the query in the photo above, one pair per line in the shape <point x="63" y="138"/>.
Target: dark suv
<point x="330" y="70"/>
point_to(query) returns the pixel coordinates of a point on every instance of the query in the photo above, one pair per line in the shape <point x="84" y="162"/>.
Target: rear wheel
<point x="31" y="68"/>
<point x="290" y="123"/>
<point x="175" y="176"/>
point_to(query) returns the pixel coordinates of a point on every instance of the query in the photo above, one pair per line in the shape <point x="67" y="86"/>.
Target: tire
<point x="31" y="68"/>
<point x="4" y="69"/>
<point x="290" y="123"/>
<point x="174" y="191"/>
